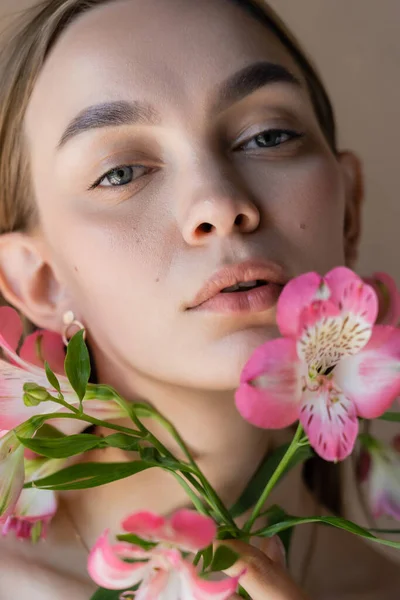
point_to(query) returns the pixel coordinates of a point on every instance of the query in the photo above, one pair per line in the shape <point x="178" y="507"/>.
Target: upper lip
<point x="249" y="270"/>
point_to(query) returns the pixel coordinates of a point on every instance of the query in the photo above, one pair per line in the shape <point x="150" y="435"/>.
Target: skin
<point x="128" y="260"/>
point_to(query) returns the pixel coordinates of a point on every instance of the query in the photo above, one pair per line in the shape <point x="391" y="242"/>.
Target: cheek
<point x="303" y="204"/>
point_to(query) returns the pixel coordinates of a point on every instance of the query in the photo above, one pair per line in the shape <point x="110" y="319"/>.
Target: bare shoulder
<point x="27" y="572"/>
<point x="345" y="567"/>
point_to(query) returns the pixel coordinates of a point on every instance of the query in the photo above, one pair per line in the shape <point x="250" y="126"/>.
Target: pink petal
<point x="371" y="379"/>
<point x="35" y="504"/>
<point x="297" y="294"/>
<point x="10" y="329"/>
<point x="330" y="422"/>
<point x="146" y="525"/>
<point x="353" y="296"/>
<point x="161" y="585"/>
<point x="270" y="389"/>
<point x="109" y="571"/>
<point x="51" y="347"/>
<point x="192" y="531"/>
<point x="196" y="588"/>
<point x="389" y="298"/>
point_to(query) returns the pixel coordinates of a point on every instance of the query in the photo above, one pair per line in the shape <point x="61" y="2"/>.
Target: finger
<point x="265" y="577"/>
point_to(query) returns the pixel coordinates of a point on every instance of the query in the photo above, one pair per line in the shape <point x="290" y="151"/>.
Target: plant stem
<point x="294" y="445"/>
<point x="93" y="421"/>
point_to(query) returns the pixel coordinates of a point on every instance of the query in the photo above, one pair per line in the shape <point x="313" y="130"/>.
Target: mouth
<point x="251" y="286"/>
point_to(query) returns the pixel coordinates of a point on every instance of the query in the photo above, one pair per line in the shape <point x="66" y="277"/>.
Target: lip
<point x="210" y="297"/>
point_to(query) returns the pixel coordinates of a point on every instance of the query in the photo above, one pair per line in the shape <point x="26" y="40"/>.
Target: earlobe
<point x="28" y="281"/>
<point x="354" y="191"/>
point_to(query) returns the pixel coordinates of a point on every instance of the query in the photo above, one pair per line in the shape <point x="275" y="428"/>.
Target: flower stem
<point x="280" y="469"/>
<point x="88" y="419"/>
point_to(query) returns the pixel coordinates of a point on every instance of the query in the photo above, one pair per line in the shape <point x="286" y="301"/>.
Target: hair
<point x="22" y="58"/>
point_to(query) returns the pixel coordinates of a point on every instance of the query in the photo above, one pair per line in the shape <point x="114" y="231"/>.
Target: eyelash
<point x="291" y="135"/>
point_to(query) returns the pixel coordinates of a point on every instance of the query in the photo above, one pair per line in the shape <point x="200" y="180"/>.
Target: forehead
<point x="171" y="53"/>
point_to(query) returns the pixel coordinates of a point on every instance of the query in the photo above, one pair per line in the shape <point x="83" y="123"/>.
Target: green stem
<point x="280" y="469"/>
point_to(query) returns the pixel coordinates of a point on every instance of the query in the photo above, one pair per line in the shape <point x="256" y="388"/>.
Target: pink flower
<point x="36" y="507"/>
<point x="388" y="297"/>
<point x="331" y="366"/>
<point x="28" y="367"/>
<point x="380" y="467"/>
<point x="162" y="572"/>
<point x="12" y="473"/>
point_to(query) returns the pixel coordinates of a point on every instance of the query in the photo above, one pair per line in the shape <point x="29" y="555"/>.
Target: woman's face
<point x="170" y="139"/>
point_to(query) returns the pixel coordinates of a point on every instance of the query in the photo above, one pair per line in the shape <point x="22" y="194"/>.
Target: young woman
<point x="152" y="151"/>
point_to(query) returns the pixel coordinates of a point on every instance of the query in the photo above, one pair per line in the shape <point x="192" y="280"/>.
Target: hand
<point x="266" y="577"/>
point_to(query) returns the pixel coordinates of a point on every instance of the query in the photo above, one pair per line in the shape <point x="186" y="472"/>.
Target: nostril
<point x="205" y="228"/>
<point x="239" y="220"/>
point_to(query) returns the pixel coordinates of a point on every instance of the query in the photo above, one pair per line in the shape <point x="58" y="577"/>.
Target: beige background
<point x="356" y="45"/>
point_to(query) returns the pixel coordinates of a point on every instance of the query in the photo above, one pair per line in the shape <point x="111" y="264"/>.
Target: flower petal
<point x="354" y="297"/>
<point x="330" y="422"/>
<point x="192" y="531"/>
<point x="297" y="294"/>
<point x="51" y="349"/>
<point x="146" y="525"/>
<point x="388" y="296"/>
<point x="270" y="389"/>
<point x="35" y="504"/>
<point x="196" y="588"/>
<point x="109" y="571"/>
<point x="12" y="473"/>
<point x="371" y="378"/>
<point x="10" y="329"/>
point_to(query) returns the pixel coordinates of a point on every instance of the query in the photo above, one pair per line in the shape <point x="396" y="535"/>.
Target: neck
<point x="226" y="448"/>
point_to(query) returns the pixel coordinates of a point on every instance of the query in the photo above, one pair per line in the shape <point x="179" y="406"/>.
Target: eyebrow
<point x="109" y="114"/>
<point x="248" y="80"/>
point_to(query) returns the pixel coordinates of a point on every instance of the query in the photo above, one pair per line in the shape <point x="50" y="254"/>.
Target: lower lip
<point x="251" y="301"/>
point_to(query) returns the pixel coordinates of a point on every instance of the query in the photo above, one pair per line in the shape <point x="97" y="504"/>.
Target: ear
<point x="28" y="281"/>
<point x="354" y="190"/>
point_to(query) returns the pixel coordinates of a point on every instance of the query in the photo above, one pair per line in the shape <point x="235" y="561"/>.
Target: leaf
<point x="338" y="522"/>
<point x="122" y="441"/>
<point x="276" y="514"/>
<point x="103" y="594"/>
<point x="264" y="473"/>
<point x="88" y="475"/>
<point x="207" y="556"/>
<point x="51" y="377"/>
<point x="77" y="364"/>
<point x="223" y="558"/>
<point x="390" y="416"/>
<point x="131" y="538"/>
<point x="63" y="447"/>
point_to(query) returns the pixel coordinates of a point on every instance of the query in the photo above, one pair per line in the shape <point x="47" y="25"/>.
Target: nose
<point x="219" y="209"/>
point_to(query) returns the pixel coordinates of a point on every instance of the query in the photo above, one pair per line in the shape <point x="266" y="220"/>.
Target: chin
<point x="220" y="363"/>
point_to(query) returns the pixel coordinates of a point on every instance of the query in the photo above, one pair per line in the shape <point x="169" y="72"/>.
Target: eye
<point x="270" y="138"/>
<point x="121" y="176"/>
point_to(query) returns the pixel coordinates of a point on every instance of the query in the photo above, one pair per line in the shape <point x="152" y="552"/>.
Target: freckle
<point x="302" y="225"/>
<point x="157" y="280"/>
<point x="76" y="269"/>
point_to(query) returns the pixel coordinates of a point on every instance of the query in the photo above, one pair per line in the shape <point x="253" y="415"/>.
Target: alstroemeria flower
<point x="331" y="366"/>
<point x="162" y="572"/>
<point x="388" y="297"/>
<point x="12" y="472"/>
<point x="379" y="469"/>
<point x="28" y="367"/>
<point x="36" y="507"/>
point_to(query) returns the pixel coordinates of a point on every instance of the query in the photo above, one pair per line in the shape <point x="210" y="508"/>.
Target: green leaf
<point x="88" y="475"/>
<point x="263" y="474"/>
<point x="51" y="377"/>
<point x="102" y="594"/>
<point x="276" y="514"/>
<point x="223" y="558"/>
<point x="390" y="416"/>
<point x="131" y="538"/>
<point x="63" y="447"/>
<point x="77" y="364"/>
<point x="208" y="554"/>
<point x="122" y="441"/>
<point x="338" y="522"/>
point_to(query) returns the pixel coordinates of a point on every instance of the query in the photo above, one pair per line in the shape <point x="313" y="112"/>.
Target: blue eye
<point x="121" y="176"/>
<point x="270" y="139"/>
